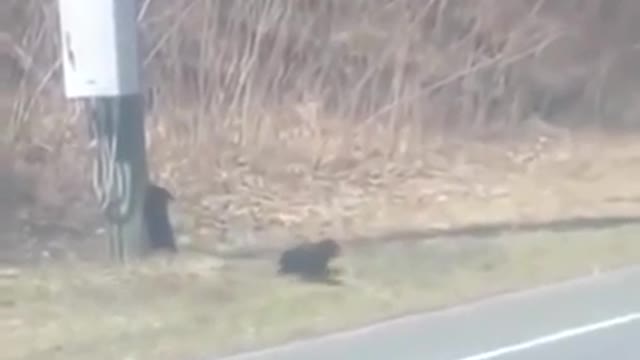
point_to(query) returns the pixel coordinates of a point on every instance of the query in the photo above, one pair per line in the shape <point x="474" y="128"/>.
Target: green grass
<point x="189" y="307"/>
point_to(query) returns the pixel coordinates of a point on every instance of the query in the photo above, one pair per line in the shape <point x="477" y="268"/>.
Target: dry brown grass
<point x="453" y="186"/>
<point x="287" y="118"/>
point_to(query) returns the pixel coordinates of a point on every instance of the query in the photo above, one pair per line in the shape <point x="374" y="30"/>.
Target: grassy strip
<point x="170" y="310"/>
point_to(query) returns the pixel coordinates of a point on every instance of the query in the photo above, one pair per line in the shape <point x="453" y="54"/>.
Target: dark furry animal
<point x="309" y="260"/>
<point x="156" y="216"/>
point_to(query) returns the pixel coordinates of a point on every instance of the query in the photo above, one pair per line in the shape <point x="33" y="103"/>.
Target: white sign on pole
<point x="100" y="53"/>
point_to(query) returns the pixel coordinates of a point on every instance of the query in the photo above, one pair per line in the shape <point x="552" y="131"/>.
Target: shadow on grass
<point x="470" y="231"/>
<point x="499" y="228"/>
<point x="329" y="279"/>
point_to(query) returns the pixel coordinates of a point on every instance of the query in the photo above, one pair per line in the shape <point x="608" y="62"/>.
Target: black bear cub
<point x="309" y="260"/>
<point x="156" y="214"/>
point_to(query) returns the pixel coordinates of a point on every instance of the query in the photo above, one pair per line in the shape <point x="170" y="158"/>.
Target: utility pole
<point x="102" y="69"/>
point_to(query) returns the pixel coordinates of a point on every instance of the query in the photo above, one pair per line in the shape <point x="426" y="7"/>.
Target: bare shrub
<point x="286" y="92"/>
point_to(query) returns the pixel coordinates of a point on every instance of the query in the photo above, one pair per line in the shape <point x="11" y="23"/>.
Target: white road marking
<point x="562" y="335"/>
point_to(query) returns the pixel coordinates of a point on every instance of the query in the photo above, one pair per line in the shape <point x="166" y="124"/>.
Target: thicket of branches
<point x="259" y="73"/>
<point x="436" y="62"/>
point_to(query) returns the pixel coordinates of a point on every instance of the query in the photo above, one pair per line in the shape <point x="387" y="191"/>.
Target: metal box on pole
<point x="100" y="52"/>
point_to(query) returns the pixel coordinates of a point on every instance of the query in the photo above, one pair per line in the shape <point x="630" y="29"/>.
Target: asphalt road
<point x="588" y="319"/>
